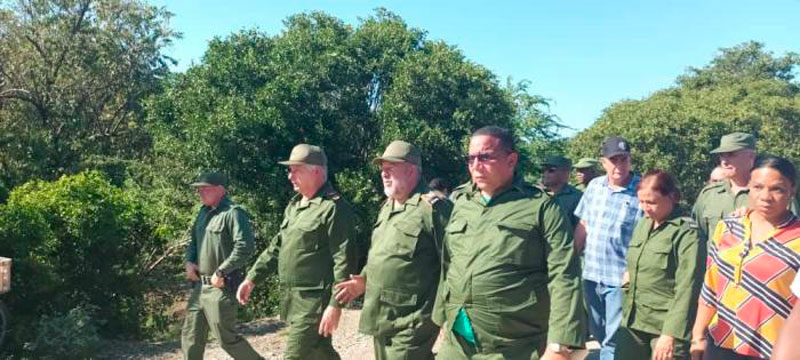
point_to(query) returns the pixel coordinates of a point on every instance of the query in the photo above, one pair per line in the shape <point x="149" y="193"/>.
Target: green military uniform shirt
<point x="665" y="267"/>
<point x="221" y="239"/>
<point x="509" y="263"/>
<point x="314" y="249"/>
<point x="568" y="198"/>
<point x="403" y="265"/>
<point x="717" y="201"/>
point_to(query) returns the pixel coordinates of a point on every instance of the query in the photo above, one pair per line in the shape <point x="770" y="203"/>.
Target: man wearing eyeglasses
<point x="555" y="175"/>
<point x="510" y="281"/>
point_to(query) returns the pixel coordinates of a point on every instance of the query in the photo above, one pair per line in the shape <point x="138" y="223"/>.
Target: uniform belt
<point x="205" y="280"/>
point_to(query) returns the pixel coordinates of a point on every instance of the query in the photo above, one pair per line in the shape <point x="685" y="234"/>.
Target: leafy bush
<point x="73" y="335"/>
<point x="75" y="242"/>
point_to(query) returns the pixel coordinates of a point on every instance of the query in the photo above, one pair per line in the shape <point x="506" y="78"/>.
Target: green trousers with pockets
<point x="213" y="309"/>
<point x="407" y="344"/>
<point x="303" y="310"/>
<point x="634" y="344"/>
<point x="454" y="347"/>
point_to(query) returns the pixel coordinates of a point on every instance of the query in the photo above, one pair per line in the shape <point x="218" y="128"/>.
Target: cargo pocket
<point x="512" y="244"/>
<point x="406" y="241"/>
<point x="398" y="308"/>
<point x="455" y="231"/>
<point x="307" y="234"/>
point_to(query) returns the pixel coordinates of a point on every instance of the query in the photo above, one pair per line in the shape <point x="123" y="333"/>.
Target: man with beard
<point x="402" y="271"/>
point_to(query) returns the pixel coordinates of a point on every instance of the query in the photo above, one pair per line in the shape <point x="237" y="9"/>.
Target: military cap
<point x="585" y="163"/>
<point x="557" y="162"/>
<point x="210" y="178"/>
<point x="735" y="141"/>
<point x="614" y="146"/>
<point x="400" y="151"/>
<point x="304" y="154"/>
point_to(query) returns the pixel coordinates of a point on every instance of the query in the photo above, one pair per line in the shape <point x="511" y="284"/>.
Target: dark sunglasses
<point x="482" y="157"/>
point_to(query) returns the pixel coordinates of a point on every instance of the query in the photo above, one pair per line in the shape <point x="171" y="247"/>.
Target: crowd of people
<point x="503" y="269"/>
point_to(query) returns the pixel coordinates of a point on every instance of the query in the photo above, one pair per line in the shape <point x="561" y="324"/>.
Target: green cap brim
<point x="289" y="162"/>
<point x="198" y="184"/>
<point x="378" y="159"/>
<point x="728" y="149"/>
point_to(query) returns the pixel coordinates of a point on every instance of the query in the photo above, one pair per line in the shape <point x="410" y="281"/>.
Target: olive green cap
<point x="734" y="142"/>
<point x="557" y="161"/>
<point x="585" y="163"/>
<point x="210" y="178"/>
<point x="305" y="154"/>
<point x="400" y="151"/>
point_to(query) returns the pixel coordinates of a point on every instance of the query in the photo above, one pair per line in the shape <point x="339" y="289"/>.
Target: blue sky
<point x="582" y="55"/>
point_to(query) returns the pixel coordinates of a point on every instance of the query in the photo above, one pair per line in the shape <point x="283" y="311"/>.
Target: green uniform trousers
<point x="407" y="344"/>
<point x="214" y="309"/>
<point x="454" y="347"/>
<point x="634" y="344"/>
<point x="305" y="343"/>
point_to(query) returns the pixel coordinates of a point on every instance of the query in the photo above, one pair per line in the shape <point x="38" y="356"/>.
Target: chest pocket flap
<point x="406" y="242"/>
<point x="456" y="226"/>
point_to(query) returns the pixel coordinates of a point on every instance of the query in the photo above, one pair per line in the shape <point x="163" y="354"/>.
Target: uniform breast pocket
<point x="455" y="239"/>
<point x="658" y="256"/>
<point x="215" y="229"/>
<point x="407" y="235"/>
<point x="513" y="242"/>
<point x="307" y="234"/>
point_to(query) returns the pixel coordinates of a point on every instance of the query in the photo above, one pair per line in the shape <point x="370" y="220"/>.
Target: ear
<point x="513" y="158"/>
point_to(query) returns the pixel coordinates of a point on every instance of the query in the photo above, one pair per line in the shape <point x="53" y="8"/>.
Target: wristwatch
<point x="557" y="348"/>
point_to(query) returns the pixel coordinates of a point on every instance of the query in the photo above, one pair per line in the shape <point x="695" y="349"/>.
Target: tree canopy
<point x="744" y="88"/>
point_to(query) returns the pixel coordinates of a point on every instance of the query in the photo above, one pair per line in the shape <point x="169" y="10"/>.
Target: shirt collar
<point x="629" y="188"/>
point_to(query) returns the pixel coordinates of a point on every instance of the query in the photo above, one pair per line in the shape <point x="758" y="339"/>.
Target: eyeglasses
<point x="549" y="169"/>
<point x="482" y="157"/>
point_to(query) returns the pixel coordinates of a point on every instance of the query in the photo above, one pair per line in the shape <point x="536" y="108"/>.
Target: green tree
<point x="745" y="88"/>
<point x="72" y="77"/>
<point x="75" y="242"/>
<point x="351" y="89"/>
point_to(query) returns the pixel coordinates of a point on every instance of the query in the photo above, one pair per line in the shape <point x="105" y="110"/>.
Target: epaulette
<point x="333" y="194"/>
<point x="688" y="221"/>
<point x="531" y="189"/>
<point x="712" y="186"/>
<point x="434" y="196"/>
<point x="461" y="190"/>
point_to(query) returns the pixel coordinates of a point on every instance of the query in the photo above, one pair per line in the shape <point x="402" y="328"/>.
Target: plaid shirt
<point x="610" y="217"/>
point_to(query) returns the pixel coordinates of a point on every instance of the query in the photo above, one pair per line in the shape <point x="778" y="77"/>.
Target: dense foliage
<point x="745" y="88"/>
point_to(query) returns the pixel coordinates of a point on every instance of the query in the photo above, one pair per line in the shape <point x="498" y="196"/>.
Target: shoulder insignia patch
<point x="433" y="196"/>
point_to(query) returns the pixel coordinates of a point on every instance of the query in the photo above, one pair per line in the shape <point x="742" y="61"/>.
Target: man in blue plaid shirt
<point x="608" y="212"/>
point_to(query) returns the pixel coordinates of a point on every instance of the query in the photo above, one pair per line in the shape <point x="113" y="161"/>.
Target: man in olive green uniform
<point x="665" y="268"/>
<point x="737" y="153"/>
<point x="314" y="249"/>
<point x="555" y="175"/>
<point x="221" y="244"/>
<point x="510" y="284"/>
<point x="402" y="272"/>
<point x="585" y="171"/>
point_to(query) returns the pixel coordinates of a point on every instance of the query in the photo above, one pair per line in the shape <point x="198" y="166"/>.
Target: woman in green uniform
<point x="664" y="275"/>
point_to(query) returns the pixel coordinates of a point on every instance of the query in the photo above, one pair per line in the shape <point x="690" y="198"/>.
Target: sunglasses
<point x="482" y="157"/>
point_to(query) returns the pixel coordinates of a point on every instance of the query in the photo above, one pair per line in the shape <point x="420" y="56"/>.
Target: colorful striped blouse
<point x="750" y="285"/>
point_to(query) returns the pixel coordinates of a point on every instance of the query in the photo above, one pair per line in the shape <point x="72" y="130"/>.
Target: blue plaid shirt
<point x="610" y="217"/>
